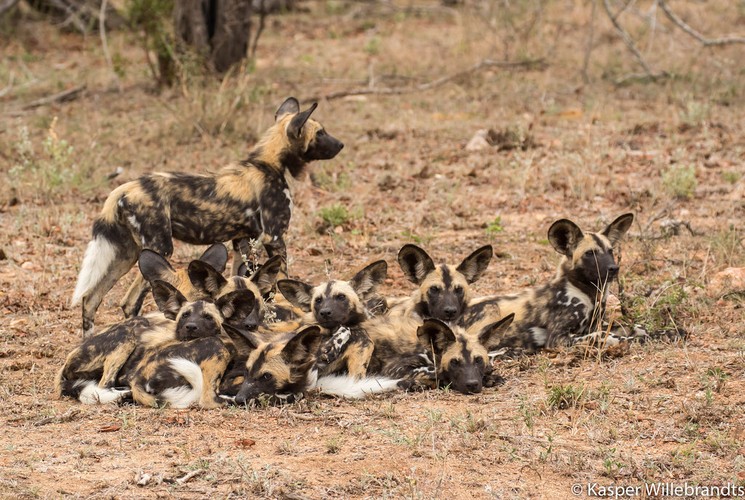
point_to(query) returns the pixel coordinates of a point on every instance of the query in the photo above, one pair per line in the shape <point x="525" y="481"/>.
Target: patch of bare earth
<point x="671" y="152"/>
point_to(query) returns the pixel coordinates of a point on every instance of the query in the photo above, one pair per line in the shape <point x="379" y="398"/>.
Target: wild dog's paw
<point x="334" y="347"/>
<point x="492" y="378"/>
<point x="671" y="335"/>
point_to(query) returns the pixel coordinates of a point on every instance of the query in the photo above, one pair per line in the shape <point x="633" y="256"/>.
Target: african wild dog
<point x="97" y="371"/>
<point x="184" y="364"/>
<point x="252" y="199"/>
<point x="569" y="308"/>
<point x="444" y="290"/>
<point x="432" y="352"/>
<point x="282" y="366"/>
<point x="341" y="308"/>
<point x="154" y="266"/>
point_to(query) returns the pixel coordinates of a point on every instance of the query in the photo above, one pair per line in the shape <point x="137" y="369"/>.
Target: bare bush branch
<point x="528" y="64"/>
<point x="706" y="42"/>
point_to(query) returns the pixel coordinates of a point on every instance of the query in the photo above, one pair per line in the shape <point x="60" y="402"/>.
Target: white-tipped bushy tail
<point x="185" y="395"/>
<point x="349" y="387"/>
<point x="91" y="394"/>
<point x="96" y="263"/>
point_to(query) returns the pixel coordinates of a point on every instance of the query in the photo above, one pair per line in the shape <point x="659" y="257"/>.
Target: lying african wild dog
<point x="282" y="366"/>
<point x="154" y="266"/>
<point x="341" y="308"/>
<point x="444" y="290"/>
<point x="184" y="365"/>
<point x="432" y="352"/>
<point x="569" y="308"/>
<point x="97" y="371"/>
<point x="252" y="199"/>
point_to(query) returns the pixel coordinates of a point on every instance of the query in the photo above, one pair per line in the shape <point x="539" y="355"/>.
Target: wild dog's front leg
<point x="275" y="219"/>
<point x="358" y="357"/>
<point x="114" y="362"/>
<point x="132" y="302"/>
<point x="213" y="369"/>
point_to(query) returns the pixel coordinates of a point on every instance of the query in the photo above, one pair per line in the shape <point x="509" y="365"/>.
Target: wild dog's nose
<point x="612" y="271"/>
<point x="473" y="386"/>
<point x="450" y="311"/>
<point x="240" y="399"/>
<point x="191" y="327"/>
<point x="325" y="313"/>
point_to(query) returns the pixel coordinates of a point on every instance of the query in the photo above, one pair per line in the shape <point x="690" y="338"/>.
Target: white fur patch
<point x="98" y="258"/>
<point x="92" y="394"/>
<point x="184" y="396"/>
<point x="539" y="335"/>
<point x="349" y="387"/>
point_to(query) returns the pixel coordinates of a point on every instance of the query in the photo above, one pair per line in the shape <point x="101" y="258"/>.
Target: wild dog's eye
<point x="458" y="289"/>
<point x="267" y="377"/>
<point x="610" y="252"/>
<point x="434" y="289"/>
<point x="455" y="362"/>
<point x="318" y="300"/>
<point x="590" y="253"/>
<point x="340" y="297"/>
<point x="479" y="361"/>
<point x="208" y="318"/>
<point x="321" y="132"/>
<point x="186" y="314"/>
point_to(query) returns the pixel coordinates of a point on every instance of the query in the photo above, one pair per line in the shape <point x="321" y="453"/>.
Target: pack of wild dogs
<point x="257" y="336"/>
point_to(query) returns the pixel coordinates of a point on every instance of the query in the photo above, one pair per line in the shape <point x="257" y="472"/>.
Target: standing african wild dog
<point x="444" y="290"/>
<point x="252" y="199"/>
<point x="341" y="308"/>
<point x="571" y="306"/>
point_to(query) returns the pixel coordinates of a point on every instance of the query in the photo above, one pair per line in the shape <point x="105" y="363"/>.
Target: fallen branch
<point x="528" y="64"/>
<point x="185" y="479"/>
<point x="706" y="42"/>
<point x="64" y="96"/>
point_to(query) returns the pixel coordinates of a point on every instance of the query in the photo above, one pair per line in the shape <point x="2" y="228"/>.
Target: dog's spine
<point x="353" y="388"/>
<point x="184" y="396"/>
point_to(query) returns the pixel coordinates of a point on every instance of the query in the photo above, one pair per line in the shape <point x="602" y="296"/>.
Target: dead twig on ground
<point x="188" y="477"/>
<point x="706" y="42"/>
<point x="64" y="96"/>
<point x="528" y="64"/>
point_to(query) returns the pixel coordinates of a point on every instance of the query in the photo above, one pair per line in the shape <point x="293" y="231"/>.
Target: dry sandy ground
<point x="672" y="152"/>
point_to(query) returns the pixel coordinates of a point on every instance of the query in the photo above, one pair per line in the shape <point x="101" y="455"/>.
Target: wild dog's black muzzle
<point x="324" y="147"/>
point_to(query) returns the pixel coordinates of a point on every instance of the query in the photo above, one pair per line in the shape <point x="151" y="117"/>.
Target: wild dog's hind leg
<point x="126" y="257"/>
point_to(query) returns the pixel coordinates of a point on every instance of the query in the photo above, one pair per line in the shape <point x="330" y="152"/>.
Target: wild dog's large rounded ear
<point x="297" y="293"/>
<point x="216" y="256"/>
<point x="474" y="265"/>
<point x="367" y="280"/>
<point x="491" y="335"/>
<point x="437" y="333"/>
<point x="205" y="278"/>
<point x="289" y="107"/>
<point x="237" y="304"/>
<point x="244" y="341"/>
<point x="154" y="266"/>
<point x="303" y="346"/>
<point x="618" y="228"/>
<point x="295" y="128"/>
<point x="266" y="277"/>
<point x="415" y="263"/>
<point x="564" y="235"/>
<point x="167" y="298"/>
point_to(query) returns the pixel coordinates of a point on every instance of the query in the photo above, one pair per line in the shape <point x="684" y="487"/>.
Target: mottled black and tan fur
<point x="432" y="352"/>
<point x="184" y="365"/>
<point x="249" y="200"/>
<point x="570" y="307"/>
<point x="341" y="308"/>
<point x="444" y="291"/>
